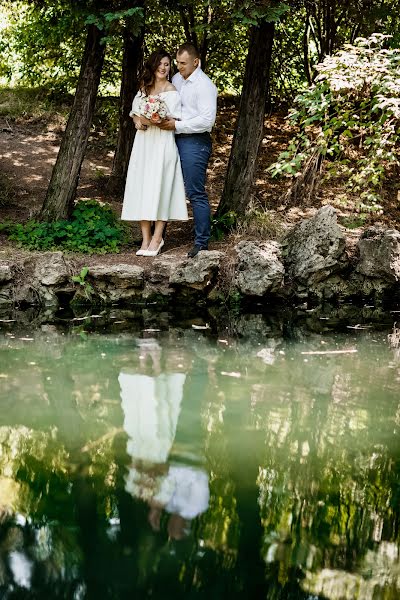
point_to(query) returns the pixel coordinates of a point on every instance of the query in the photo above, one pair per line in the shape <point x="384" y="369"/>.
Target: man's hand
<point x="167" y="124"/>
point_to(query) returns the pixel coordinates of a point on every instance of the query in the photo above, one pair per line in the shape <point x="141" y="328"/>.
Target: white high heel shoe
<point x="140" y="252"/>
<point x="153" y="252"/>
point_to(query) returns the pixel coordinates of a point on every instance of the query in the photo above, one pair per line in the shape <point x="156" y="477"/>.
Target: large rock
<point x="259" y="268"/>
<point x="50" y="269"/>
<point x="198" y="273"/>
<point x="115" y="283"/>
<point x="34" y="280"/>
<point x="6" y="289"/>
<point x="380" y="254"/>
<point x="6" y="273"/>
<point x="6" y="294"/>
<point x="158" y="279"/>
<point x="315" y="249"/>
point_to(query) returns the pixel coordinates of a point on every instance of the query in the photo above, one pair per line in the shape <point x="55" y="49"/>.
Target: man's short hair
<point x="190" y="49"/>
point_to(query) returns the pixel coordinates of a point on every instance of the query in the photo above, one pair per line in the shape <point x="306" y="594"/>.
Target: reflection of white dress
<point x="154" y="185"/>
<point x="151" y="407"/>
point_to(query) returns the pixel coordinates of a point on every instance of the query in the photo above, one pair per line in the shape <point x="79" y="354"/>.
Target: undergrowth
<point x="93" y="228"/>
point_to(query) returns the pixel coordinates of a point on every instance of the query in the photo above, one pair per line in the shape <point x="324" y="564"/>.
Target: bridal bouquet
<point x="153" y="108"/>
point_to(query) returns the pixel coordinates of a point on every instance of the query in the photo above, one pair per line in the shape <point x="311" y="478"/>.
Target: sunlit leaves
<point x="355" y="102"/>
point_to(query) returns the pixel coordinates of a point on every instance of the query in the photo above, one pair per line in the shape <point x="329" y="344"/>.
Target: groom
<point x="192" y="133"/>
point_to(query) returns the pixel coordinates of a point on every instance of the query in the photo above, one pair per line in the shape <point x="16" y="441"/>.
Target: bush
<point x="350" y="115"/>
<point x="92" y="228"/>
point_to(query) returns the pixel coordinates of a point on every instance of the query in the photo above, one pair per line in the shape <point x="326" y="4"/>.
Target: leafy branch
<point x="353" y="108"/>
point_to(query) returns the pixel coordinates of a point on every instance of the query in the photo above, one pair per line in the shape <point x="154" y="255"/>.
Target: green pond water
<point x="147" y="458"/>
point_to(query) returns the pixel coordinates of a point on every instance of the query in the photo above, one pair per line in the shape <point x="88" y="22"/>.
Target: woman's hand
<point x="138" y="123"/>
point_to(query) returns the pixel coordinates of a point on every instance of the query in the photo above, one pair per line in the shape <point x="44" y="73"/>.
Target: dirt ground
<point x="28" y="150"/>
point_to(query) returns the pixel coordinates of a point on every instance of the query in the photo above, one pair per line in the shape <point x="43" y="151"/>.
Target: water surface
<point x="164" y="460"/>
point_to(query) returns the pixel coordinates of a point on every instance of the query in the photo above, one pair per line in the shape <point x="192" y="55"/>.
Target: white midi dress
<point x="154" y="185"/>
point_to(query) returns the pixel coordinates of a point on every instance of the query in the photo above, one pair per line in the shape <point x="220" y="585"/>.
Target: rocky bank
<point x="311" y="264"/>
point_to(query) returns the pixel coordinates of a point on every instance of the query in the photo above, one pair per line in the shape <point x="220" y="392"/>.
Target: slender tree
<point x="250" y="122"/>
<point x="131" y="62"/>
<point x="64" y="180"/>
<point x="61" y="192"/>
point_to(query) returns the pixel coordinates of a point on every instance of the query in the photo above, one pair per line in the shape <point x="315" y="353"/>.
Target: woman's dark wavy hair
<point x="150" y="67"/>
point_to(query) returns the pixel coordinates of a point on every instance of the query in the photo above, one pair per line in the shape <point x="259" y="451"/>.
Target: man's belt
<point x="202" y="134"/>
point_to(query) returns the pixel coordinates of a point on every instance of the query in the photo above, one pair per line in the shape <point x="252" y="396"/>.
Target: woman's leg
<point x="157" y="235"/>
<point x="146" y="234"/>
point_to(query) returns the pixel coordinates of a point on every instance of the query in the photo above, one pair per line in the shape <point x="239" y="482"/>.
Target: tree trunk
<point x="131" y="62"/>
<point x="207" y="20"/>
<point x="250" y="122"/>
<point x="187" y="18"/>
<point x="306" y="50"/>
<point x="61" y="192"/>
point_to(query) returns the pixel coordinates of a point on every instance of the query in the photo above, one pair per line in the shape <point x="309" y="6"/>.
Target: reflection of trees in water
<point x="303" y="473"/>
<point x="38" y="545"/>
<point x="328" y="479"/>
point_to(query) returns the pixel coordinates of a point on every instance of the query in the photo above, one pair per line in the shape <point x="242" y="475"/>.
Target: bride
<point x="154" y="188"/>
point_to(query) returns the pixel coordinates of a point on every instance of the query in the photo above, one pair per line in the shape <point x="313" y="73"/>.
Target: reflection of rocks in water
<point x="254" y="326"/>
<point x="248" y="326"/>
<point x="294" y="323"/>
<point x="31" y="317"/>
<point x="378" y="577"/>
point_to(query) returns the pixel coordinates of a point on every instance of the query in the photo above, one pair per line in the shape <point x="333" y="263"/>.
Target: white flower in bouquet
<point x="153" y="108"/>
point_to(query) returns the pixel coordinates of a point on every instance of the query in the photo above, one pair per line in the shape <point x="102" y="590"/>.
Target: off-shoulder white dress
<point x="154" y="186"/>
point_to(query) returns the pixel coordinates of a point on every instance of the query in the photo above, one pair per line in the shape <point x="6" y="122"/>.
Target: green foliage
<point x="107" y="20"/>
<point x="220" y="225"/>
<point x="81" y="280"/>
<point x="92" y="228"/>
<point x="105" y="122"/>
<point x="352" y="112"/>
<point x="42" y="44"/>
<point x="353" y="222"/>
<point x="252" y="13"/>
<point x="114" y="22"/>
<point x="33" y="103"/>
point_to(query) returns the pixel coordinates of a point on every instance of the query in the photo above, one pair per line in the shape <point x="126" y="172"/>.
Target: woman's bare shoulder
<point x="170" y="88"/>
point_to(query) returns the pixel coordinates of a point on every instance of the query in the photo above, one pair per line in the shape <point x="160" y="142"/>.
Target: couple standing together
<point x="171" y="155"/>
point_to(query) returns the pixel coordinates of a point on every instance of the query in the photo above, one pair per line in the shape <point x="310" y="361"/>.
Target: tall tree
<point x="61" y="192"/>
<point x="131" y="63"/>
<point x="250" y="122"/>
<point x="64" y="180"/>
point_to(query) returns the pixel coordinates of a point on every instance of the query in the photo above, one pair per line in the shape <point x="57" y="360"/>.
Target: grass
<point x="260" y="223"/>
<point x="41" y="104"/>
<point x="36" y="103"/>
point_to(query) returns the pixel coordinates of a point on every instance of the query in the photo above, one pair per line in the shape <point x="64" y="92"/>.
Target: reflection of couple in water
<point x="152" y="404"/>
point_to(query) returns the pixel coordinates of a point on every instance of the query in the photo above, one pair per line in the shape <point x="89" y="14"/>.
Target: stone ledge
<point x="311" y="264"/>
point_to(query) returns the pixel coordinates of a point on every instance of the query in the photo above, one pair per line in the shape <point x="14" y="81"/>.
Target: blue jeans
<point x="194" y="151"/>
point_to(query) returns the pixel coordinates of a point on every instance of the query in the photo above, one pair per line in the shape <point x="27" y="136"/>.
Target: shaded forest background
<point x="82" y="60"/>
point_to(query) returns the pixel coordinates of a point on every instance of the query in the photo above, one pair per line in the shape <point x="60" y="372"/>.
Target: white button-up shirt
<point x="199" y="102"/>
